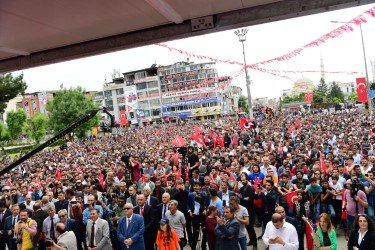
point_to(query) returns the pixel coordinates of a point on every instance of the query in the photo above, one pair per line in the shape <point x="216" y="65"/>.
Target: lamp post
<point x="242" y="38"/>
<point x="369" y="100"/>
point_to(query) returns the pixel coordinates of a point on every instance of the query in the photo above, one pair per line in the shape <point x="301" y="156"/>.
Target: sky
<point x="264" y="41"/>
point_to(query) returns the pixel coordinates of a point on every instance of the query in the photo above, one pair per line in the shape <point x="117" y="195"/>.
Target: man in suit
<point x="4" y="213"/>
<point x="71" y="225"/>
<point x="150" y="200"/>
<point x="130" y="230"/>
<point x="224" y="194"/>
<point x="8" y="231"/>
<point x="133" y="196"/>
<point x="147" y="213"/>
<point x="195" y="178"/>
<point x="61" y="203"/>
<point x="227" y="230"/>
<point x="162" y="208"/>
<point x="97" y="232"/>
<point x="66" y="239"/>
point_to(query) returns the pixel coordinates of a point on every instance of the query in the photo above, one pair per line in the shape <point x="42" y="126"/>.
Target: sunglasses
<point x="127" y="208"/>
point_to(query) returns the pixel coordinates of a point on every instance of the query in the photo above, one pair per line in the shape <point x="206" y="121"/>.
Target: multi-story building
<point x="179" y="90"/>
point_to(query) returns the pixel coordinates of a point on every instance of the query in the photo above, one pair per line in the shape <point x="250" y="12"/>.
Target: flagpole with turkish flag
<point x="309" y="238"/>
<point x="361" y="89"/>
<point x="291" y="198"/>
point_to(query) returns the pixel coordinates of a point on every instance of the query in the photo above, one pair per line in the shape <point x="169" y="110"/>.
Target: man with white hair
<point x="29" y="202"/>
<point x="150" y="200"/>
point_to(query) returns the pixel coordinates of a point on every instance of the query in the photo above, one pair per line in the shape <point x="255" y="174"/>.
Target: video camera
<point x="202" y="198"/>
<point x="125" y="158"/>
<point x="356" y="186"/>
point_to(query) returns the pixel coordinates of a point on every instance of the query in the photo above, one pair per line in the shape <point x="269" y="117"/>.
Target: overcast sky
<point x="264" y="42"/>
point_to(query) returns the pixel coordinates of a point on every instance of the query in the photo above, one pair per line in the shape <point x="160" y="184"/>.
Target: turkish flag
<point x="309" y="97"/>
<point x="246" y="123"/>
<point x="197" y="130"/>
<point x="298" y="123"/>
<point x="198" y="139"/>
<point x="179" y="141"/>
<point x="361" y="89"/>
<point x="291" y="198"/>
<point x="323" y="165"/>
<point x="309" y="233"/>
<point x="292" y="128"/>
<point x="220" y="141"/>
<point x="123" y="120"/>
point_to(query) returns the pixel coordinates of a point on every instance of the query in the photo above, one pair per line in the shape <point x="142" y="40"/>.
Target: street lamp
<point x="369" y="100"/>
<point x="242" y="38"/>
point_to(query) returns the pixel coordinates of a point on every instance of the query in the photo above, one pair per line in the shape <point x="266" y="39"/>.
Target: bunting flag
<point x="309" y="239"/>
<point x="123" y="120"/>
<point x="361" y="89"/>
<point x="246" y="123"/>
<point x="291" y="198"/>
<point x="309" y="97"/>
<point x="101" y="180"/>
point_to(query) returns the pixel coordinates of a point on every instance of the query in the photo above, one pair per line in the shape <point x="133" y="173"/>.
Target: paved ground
<point x="342" y="243"/>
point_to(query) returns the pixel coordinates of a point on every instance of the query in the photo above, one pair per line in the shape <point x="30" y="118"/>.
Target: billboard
<point x="131" y="99"/>
<point x="191" y="102"/>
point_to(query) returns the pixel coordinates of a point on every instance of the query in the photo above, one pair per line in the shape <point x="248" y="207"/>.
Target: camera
<point x="202" y="199"/>
<point x="125" y="158"/>
<point x="356" y="186"/>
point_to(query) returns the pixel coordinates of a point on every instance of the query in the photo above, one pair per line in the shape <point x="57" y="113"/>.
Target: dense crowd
<point x="138" y="190"/>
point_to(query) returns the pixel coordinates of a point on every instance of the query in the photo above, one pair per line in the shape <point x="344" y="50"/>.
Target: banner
<point x="131" y="100"/>
<point x="140" y="113"/>
<point x="309" y="97"/>
<point x="123" y="120"/>
<point x="361" y="89"/>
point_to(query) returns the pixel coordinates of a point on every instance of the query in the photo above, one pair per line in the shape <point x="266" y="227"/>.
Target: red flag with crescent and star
<point x="123" y="120"/>
<point x="361" y="89"/>
<point x="291" y="198"/>
<point x="246" y="123"/>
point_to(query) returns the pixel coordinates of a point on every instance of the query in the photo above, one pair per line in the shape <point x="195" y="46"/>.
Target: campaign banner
<point x="42" y="98"/>
<point x="140" y="113"/>
<point x="191" y="102"/>
<point x="186" y="92"/>
<point x="131" y="99"/>
<point x="180" y="114"/>
<point x="216" y="110"/>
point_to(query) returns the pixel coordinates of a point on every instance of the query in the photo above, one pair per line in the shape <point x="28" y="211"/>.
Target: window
<point x="120" y="91"/>
<point x="140" y="75"/>
<point x="143" y="104"/>
<point x="141" y="86"/>
<point x="142" y="95"/>
<point x="153" y="84"/>
<point x="108" y="93"/>
<point x="147" y="113"/>
<point x="155" y="112"/>
<point x="154" y="102"/>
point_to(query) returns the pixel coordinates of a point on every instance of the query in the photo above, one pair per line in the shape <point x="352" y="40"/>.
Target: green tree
<point x="335" y="93"/>
<point x="16" y="121"/>
<point x="67" y="106"/>
<point x="242" y="103"/>
<point x="36" y="127"/>
<point x="322" y="88"/>
<point x="353" y="97"/>
<point x="318" y="96"/>
<point x="10" y="87"/>
<point x="295" y="98"/>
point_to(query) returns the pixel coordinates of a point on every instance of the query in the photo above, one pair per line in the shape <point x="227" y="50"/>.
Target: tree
<point x="36" y="127"/>
<point x="10" y="87"/>
<point x="242" y="103"/>
<point x="322" y="88"/>
<point x="335" y="93"/>
<point x="15" y="122"/>
<point x="67" y="106"/>
<point x="295" y="98"/>
<point x="353" y="97"/>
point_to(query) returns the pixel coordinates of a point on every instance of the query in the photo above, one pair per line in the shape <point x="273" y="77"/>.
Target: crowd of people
<point x="139" y="190"/>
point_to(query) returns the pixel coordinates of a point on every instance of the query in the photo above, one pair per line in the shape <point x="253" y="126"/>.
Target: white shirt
<point x="287" y="232"/>
<point x="360" y="236"/>
<point x="225" y="197"/>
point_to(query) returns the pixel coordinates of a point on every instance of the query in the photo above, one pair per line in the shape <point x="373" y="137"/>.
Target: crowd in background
<point x="137" y="190"/>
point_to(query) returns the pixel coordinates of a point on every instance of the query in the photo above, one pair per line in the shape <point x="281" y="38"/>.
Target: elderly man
<point x="130" y="230"/>
<point x="49" y="224"/>
<point x="29" y="202"/>
<point x="71" y="225"/>
<point x="280" y="234"/>
<point x="66" y="239"/>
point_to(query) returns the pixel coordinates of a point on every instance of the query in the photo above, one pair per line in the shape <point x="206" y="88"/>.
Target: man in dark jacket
<point x="62" y="203"/>
<point x="269" y="198"/>
<point x="147" y="213"/>
<point x="4" y="213"/>
<point x="227" y="230"/>
<point x="39" y="216"/>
